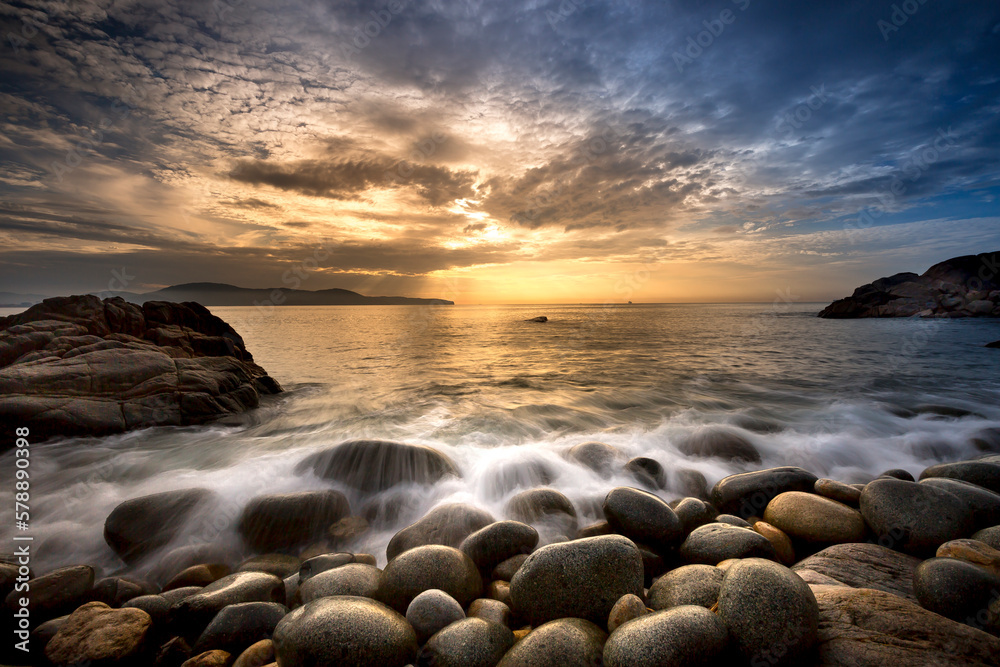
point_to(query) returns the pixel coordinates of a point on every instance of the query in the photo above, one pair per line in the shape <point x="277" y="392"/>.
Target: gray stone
<point x="715" y="542"/>
<point x="322" y="563"/>
<point x="348" y="631"/>
<point x="431" y="566"/>
<point x="865" y="566"/>
<point x="601" y="458"/>
<point x="357" y="579"/>
<point x="505" y="571"/>
<point x="276" y="522"/>
<point x="686" y="636"/>
<point x="157" y="606"/>
<point x="194" y="612"/>
<point x="198" y="575"/>
<point x="54" y="594"/>
<point x="583" y="579"/>
<point x="559" y="643"/>
<point x="280" y="565"/>
<point x="834" y="490"/>
<point x="490" y="546"/>
<point x="446" y="525"/>
<point x="691" y="483"/>
<point x="733" y="520"/>
<point x="898" y="473"/>
<point x="982" y="473"/>
<point x="237" y="626"/>
<point x="471" y="642"/>
<point x="771" y="613"/>
<point x="490" y="610"/>
<point x="687" y="585"/>
<point x="985" y="504"/>
<point x="371" y="466"/>
<point x="643" y="517"/>
<point x="648" y="471"/>
<point x="714" y="442"/>
<point x="748" y="493"/>
<point x="693" y="513"/>
<point x="989" y="536"/>
<point x="139" y="526"/>
<point x="959" y="590"/>
<point x="914" y="518"/>
<point x="628" y="607"/>
<point x="116" y="591"/>
<point x="544" y="508"/>
<point x="431" y="611"/>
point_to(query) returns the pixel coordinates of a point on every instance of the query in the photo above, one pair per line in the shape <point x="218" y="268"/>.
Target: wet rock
<point x="687" y="585"/>
<point x="371" y="466"/>
<point x="865" y="566"/>
<point x="209" y="659"/>
<point x="687" y="636"/>
<point x="322" y="563"/>
<point x="985" y="504"/>
<point x="490" y="546"/>
<point x="490" y="610"/>
<point x="179" y="559"/>
<point x="566" y="641"/>
<point x="691" y="483"/>
<point x="594" y="529"/>
<point x="193" y="613"/>
<point x="815" y="519"/>
<point x="648" y="472"/>
<point x="237" y="626"/>
<point x="543" y="508"/>
<point x="96" y="633"/>
<point x="446" y="525"/>
<point x="471" y="642"/>
<point x="355" y="579"/>
<point x="869" y="627"/>
<point x="43" y="634"/>
<point x="540" y="319"/>
<point x="720" y="443"/>
<point x="627" y="608"/>
<point x="500" y="591"/>
<point x="345" y="631"/>
<point x="982" y="473"/>
<point x="756" y="424"/>
<point x="54" y="594"/>
<point x="990" y="536"/>
<point x="959" y="590"/>
<point x="898" y="473"/>
<point x="431" y="566"/>
<point x="834" y="490"/>
<point x="280" y="565"/>
<point x="431" y="611"/>
<point x="583" y="579"/>
<point x="116" y="591"/>
<point x="198" y="575"/>
<point x="178" y="594"/>
<point x="598" y="456"/>
<point x="505" y="570"/>
<point x="914" y="518"/>
<point x="276" y="522"/>
<point x="779" y="540"/>
<point x="733" y="520"/>
<point x="643" y="517"/>
<point x="518" y="475"/>
<point x="173" y="653"/>
<point x="347" y="530"/>
<point x="693" y="512"/>
<point x="256" y="655"/>
<point x="715" y="542"/>
<point x="772" y="615"/>
<point x="139" y="526"/>
<point x="748" y="493"/>
<point x="157" y="606"/>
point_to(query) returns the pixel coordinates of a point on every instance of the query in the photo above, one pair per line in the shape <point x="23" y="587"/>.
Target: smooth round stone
<point x="642" y="517"/>
<point x="687" y="636"/>
<point x="471" y="642"/>
<point x="648" y="472"/>
<point x="238" y="626"/>
<point x="594" y="529"/>
<point x="720" y="443"/>
<point x="506" y="570"/>
<point x="686" y="585"/>
<point x="322" y="563"/>
<point x="139" y="526"/>
<point x="446" y="525"/>
<point x="96" y="633"/>
<point x="984" y="503"/>
<point x="598" y="456"/>
<point x="691" y="483"/>
<point x="715" y="542"/>
<point x="432" y="566"/>
<point x="256" y="655"/>
<point x="490" y="610"/>
<point x="544" y="507"/>
<point x="178" y="594"/>
<point x="627" y="608"/>
<point x="834" y="490"/>
<point x="354" y="579"/>
<point x="692" y="513"/>
<point x="371" y="466"/>
<point x="198" y="575"/>
<point x="972" y="551"/>
<point x="982" y="473"/>
<point x="432" y="611"/>
<point x="520" y="474"/>
<point x="490" y="546"/>
<point x="772" y="615"/>
<point x="733" y="520"/>
<point x="157" y="606"/>
<point x="898" y="473"/>
<point x="815" y="519"/>
<point x="195" y="611"/>
<point x="582" y="579"/>
<point x="280" y="565"/>
<point x="990" y="536"/>
<point x="344" y="631"/>
<point x="566" y="641"/>
<point x="116" y="591"/>
<point x="960" y="591"/>
<point x="500" y="591"/>
<point x="748" y="493"/>
<point x="283" y="521"/>
<point x="779" y="540"/>
<point x="914" y="518"/>
<point x="54" y="594"/>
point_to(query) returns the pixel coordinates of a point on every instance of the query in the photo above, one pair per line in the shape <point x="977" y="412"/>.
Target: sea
<point x="846" y="399"/>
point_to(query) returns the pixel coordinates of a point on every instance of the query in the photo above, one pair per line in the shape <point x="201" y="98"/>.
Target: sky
<point x="503" y="151"/>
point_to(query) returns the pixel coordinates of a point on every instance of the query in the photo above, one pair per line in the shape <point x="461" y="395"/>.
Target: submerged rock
<point x="447" y="525"/>
<point x="371" y="466"/>
<point x="139" y="526"/>
<point x="648" y="471"/>
<point x="747" y="494"/>
<point x="721" y="443"/>
<point x="544" y="507"/>
<point x="274" y="522"/>
<point x="601" y="458"/>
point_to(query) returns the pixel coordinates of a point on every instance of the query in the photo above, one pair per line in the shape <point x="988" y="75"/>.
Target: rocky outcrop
<point x="77" y="365"/>
<point x="967" y="286"/>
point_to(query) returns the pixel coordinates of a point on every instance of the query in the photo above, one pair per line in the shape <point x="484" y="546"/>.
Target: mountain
<point x="220" y="294"/>
<point x="15" y="300"/>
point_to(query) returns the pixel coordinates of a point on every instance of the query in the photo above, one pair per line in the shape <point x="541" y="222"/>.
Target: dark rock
<point x="322" y="563"/>
<point x="272" y="523"/>
<point x="982" y="473"/>
<point x="494" y="611"/>
<point x="431" y="611"/>
<point x="178" y="594"/>
<point x="865" y="566"/>
<point x="198" y="575"/>
<point x="545" y="508"/>
<point x="756" y="424"/>
<point x="692" y="483"/>
<point x="986" y="440"/>
<point x="914" y="518"/>
<point x="471" y="642"/>
<point x="733" y="520"/>
<point x="747" y="494"/>
<point x="490" y="546"/>
<point x="344" y="631"/>
<point x="834" y="490"/>
<point x="96" y="633"/>
<point x="715" y="542"/>
<point x="505" y="571"/>
<point x="357" y="579"/>
<point x="989" y="536"/>
<point x="772" y="615"/>
<point x="721" y="443"/>
<point x="179" y="559"/>
<point x="693" y="512"/>
<point x="540" y="318"/>
<point x="194" y="612"/>
<point x="157" y="606"/>
<point x="629" y="607"/>
<point x="446" y="525"/>
<point x="995" y="344"/>
<point x="256" y="655"/>
<point x="815" y="519"/>
<point x="985" y="504"/>
<point x="513" y="475"/>
<point x="687" y="636"/>
<point x="371" y="466"/>
<point x="643" y="517"/>
<point x="961" y="591"/>
<point x="602" y="458"/>
<point x="648" y="472"/>
<point x="583" y="578"/>
<point x="237" y="626"/>
<point x="594" y="529"/>
<point x="116" y="591"/>
<point x="898" y="473"/>
<point x="54" y="594"/>
<point x="141" y="525"/>
<point x="566" y="641"/>
<point x="687" y="585"/>
<point x="431" y="566"/>
<point x="280" y="565"/>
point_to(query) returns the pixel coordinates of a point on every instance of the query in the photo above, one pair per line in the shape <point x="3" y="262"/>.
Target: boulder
<point x="870" y="628"/>
<point x="687" y="585"/>
<point x="643" y="517"/>
<point x="648" y="472"/>
<point x="582" y="578"/>
<point x="985" y="504"/>
<point x="815" y="519"/>
<point x="914" y="518"/>
<point x="714" y="442"/>
<point x="601" y="458"/>
<point x="628" y="607"/>
<point x="194" y="612"/>
<point x="371" y="466"/>
<point x="566" y="641"/>
<point x="471" y="642"/>
<point x="490" y="546"/>
<point x="834" y="490"/>
<point x="280" y="565"/>
<point x="982" y="473"/>
<point x="54" y="594"/>
<point x="544" y="508"/>
<point x="972" y="551"/>
<point x="139" y="526"/>
<point x="961" y="591"/>
<point x="97" y="634"/>
<point x="344" y="630"/>
<point x="276" y="522"/>
<point x="715" y="542"/>
<point x="237" y="626"/>
<point x="865" y="566"/>
<point x="771" y="613"/>
<point x="431" y="611"/>
<point x="446" y="525"/>
<point x="431" y="566"/>
<point x="686" y="636"/>
<point x="747" y="494"/>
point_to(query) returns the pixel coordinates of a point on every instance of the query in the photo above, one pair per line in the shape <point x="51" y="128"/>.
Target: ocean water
<point x="846" y="399"/>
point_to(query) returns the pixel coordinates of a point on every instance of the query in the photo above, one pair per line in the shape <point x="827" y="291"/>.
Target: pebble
<point x="471" y="642"/>
<point x="687" y="585"/>
<point x="815" y="519"/>
<point x="627" y="608"/>
<point x="565" y="641"/>
<point x="685" y="636"/>
<point x="715" y="542"/>
<point x="432" y="611"/>
<point x="426" y="567"/>
<point x="643" y="517"/>
<point x="352" y="579"/>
